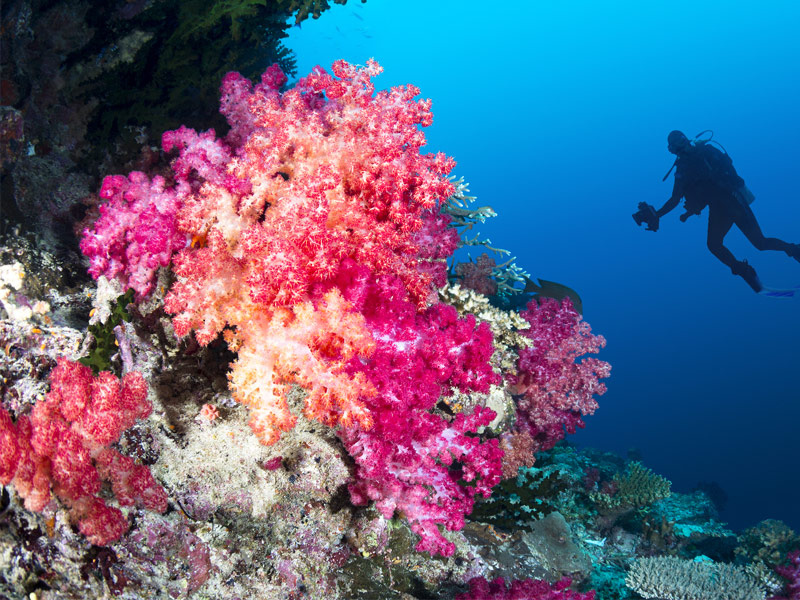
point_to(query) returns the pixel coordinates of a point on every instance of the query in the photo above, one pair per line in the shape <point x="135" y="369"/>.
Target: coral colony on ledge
<point x="405" y="433"/>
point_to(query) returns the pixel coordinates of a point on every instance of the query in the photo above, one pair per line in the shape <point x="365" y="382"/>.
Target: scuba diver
<point x="705" y="176"/>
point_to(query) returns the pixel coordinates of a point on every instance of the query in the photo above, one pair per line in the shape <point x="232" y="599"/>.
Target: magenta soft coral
<point x="64" y="445"/>
<point x="791" y="573"/>
<point x="555" y="390"/>
<point x="136" y="232"/>
<point x="412" y="460"/>
<point x="522" y="589"/>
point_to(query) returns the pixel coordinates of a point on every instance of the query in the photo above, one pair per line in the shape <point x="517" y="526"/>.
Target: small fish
<point x="551" y="289"/>
<point x="599" y="543"/>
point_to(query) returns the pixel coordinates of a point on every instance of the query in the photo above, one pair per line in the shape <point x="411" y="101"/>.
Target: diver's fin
<point x="746" y="271"/>
<point x="780" y="293"/>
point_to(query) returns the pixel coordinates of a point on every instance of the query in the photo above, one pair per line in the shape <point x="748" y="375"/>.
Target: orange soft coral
<point x="308" y="344"/>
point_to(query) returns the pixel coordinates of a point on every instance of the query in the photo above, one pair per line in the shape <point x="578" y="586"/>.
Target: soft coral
<point x="791" y="573"/>
<point x="522" y="589"/>
<point x="65" y="444"/>
<point x="554" y="389"/>
<point x="325" y="172"/>
<point x="414" y="460"/>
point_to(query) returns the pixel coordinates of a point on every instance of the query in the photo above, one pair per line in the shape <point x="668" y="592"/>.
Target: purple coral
<point x="555" y="390"/>
<point x="522" y="589"/>
<point x="791" y="573"/>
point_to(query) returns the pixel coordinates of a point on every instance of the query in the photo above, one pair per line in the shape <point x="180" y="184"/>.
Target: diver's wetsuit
<point x="726" y="207"/>
<point x="725" y="213"/>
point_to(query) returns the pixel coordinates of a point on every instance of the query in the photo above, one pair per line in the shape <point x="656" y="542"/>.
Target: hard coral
<point x="65" y="444"/>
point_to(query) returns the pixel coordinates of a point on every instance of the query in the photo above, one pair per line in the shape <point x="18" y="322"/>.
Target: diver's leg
<point x="720" y="222"/>
<point x="747" y="222"/>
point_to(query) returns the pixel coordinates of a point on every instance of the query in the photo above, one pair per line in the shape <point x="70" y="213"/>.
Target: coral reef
<point x="337" y="294"/>
<point x="284" y="273"/>
<point x="306" y="249"/>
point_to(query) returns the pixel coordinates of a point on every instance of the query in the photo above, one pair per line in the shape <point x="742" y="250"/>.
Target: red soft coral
<point x="64" y="444"/>
<point x="325" y="172"/>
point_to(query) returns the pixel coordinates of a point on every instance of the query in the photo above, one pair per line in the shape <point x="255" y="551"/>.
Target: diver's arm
<point x="668" y="206"/>
<point x="674" y="199"/>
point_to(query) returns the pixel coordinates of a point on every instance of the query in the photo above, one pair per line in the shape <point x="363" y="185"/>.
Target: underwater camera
<point x="646" y="214"/>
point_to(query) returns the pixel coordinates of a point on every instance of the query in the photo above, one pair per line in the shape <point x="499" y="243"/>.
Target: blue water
<point x="557" y="113"/>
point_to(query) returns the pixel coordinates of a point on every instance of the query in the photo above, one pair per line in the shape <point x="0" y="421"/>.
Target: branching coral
<point x="639" y="486"/>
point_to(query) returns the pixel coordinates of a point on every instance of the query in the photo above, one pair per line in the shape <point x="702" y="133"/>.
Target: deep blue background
<point x="557" y="113"/>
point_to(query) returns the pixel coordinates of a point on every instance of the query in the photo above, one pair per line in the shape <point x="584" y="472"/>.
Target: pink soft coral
<point x="413" y="460"/>
<point x="312" y="182"/>
<point x="137" y="230"/>
<point x="791" y="573"/>
<point x="555" y="390"/>
<point x="522" y="589"/>
<point x="65" y="445"/>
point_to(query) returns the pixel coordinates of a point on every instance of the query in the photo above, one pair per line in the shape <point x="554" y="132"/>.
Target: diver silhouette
<point x="705" y="176"/>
